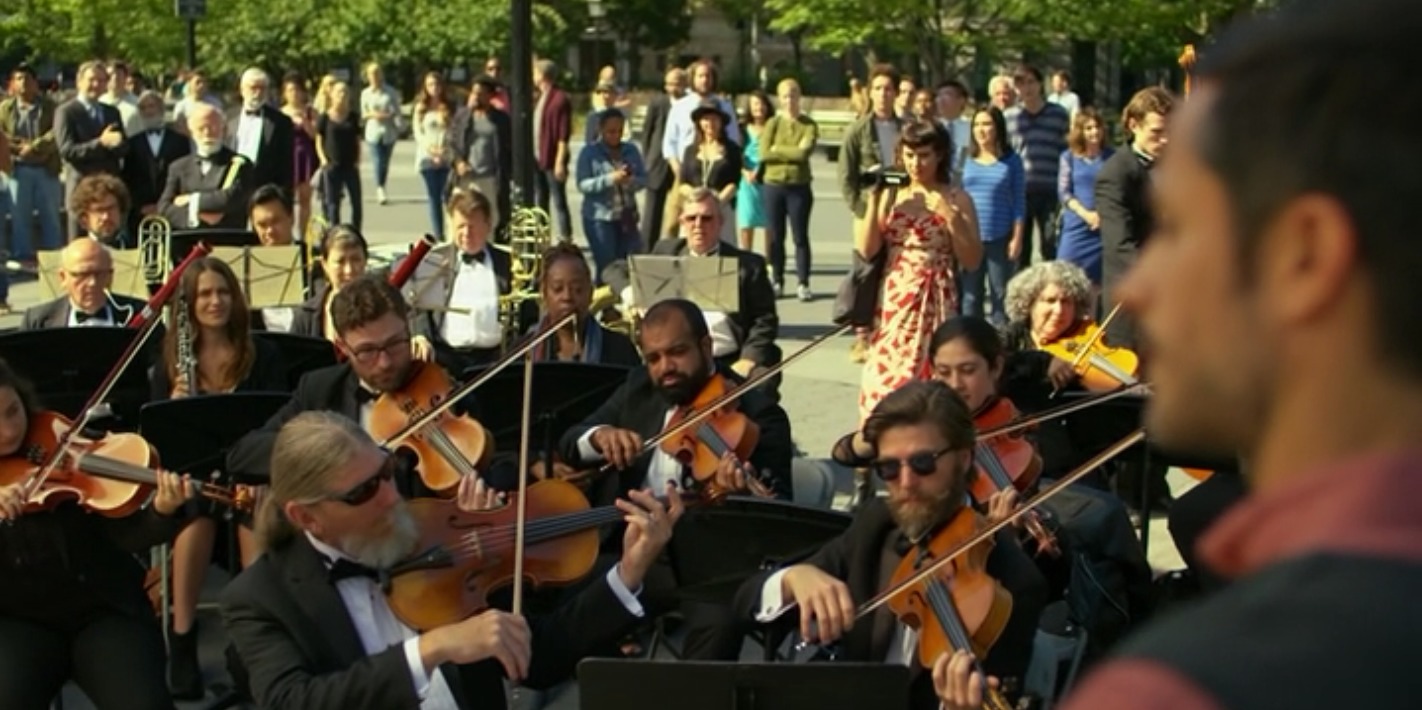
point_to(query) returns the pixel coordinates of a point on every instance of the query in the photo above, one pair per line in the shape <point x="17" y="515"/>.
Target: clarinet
<point x="187" y="359"/>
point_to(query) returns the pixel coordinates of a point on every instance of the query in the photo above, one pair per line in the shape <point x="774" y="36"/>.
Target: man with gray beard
<point x="313" y="628"/>
<point x="210" y="187"/>
<point x="923" y="438"/>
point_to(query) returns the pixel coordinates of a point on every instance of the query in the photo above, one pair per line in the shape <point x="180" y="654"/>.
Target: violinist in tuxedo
<point x="262" y="134"/>
<point x="89" y="132"/>
<point x="456" y="288"/>
<point x="923" y="438"/>
<point x="210" y="187"/>
<point x="743" y="341"/>
<point x="86" y="271"/>
<point x="151" y="152"/>
<point x="314" y="630"/>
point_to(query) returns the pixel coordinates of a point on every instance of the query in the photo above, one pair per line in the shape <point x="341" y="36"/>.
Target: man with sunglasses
<point x="371" y="322"/>
<point x="743" y="341"/>
<point x="923" y="438"/>
<point x="310" y="620"/>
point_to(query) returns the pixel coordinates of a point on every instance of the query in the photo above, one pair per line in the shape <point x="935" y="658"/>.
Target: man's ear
<point x="301" y="517"/>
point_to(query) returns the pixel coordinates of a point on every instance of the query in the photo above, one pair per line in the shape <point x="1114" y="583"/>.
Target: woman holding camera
<point x="921" y="231"/>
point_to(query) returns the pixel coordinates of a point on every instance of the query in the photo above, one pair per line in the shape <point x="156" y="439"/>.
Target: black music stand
<point x="564" y="394"/>
<point x="66" y="364"/>
<point x="619" y="684"/>
<point x="193" y="434"/>
<point x="300" y="353"/>
<point x="182" y="241"/>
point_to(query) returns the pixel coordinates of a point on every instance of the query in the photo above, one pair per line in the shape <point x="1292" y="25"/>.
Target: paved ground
<point x="819" y="392"/>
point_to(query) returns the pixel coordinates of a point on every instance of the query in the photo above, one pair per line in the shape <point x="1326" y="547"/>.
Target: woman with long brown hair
<point x="433" y="125"/>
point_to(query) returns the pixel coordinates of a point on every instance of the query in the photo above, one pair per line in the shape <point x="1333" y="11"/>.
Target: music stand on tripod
<point x="625" y="684"/>
<point x="300" y="353"/>
<point x="65" y="365"/>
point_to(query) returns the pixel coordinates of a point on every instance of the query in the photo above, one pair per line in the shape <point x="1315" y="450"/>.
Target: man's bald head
<point x="85" y="250"/>
<point x="86" y="271"/>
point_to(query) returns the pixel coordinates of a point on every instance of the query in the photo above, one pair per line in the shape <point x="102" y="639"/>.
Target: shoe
<point x="859" y="352"/>
<point x="779" y="289"/>
<point x="184" y="670"/>
<point x="803" y="293"/>
<point x="380" y="195"/>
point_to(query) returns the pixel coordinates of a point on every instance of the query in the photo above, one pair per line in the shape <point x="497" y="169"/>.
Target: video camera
<point x="881" y="176"/>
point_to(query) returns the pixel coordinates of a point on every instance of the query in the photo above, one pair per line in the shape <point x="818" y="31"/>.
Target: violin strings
<point x="471" y="544"/>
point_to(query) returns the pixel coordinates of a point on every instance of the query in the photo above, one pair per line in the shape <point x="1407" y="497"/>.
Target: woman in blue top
<point x="993" y="176"/>
<point x="1081" y="225"/>
<point x="609" y="175"/>
<point x="750" y="206"/>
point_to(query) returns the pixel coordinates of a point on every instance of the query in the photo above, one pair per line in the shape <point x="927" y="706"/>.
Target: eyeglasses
<point x="364" y="491"/>
<point x="369" y="353"/>
<point x="923" y="463"/>
<point x="695" y="218"/>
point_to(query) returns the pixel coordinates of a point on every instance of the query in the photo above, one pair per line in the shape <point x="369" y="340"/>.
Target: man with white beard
<point x="262" y="133"/>
<point x="312" y="625"/>
<point x="209" y="188"/>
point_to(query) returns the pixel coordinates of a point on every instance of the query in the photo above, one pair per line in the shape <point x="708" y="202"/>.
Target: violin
<point x="959" y="606"/>
<point x="464" y="555"/>
<point x="1008" y="461"/>
<point x="726" y="429"/>
<point x="1100" y="367"/>
<point x="114" y="476"/>
<point x="448" y="447"/>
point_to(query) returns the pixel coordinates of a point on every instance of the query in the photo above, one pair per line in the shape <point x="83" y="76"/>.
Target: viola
<point x="464" y="555"/>
<point x="113" y="476"/>
<point x="1100" y="367"/>
<point x="448" y="447"/>
<point x="701" y="447"/>
<point x="959" y="606"/>
<point x="1008" y="461"/>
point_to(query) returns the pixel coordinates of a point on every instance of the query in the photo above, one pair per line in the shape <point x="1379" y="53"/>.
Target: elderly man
<point x="261" y="133"/>
<point x="210" y="187"/>
<point x="86" y="271"/>
<point x="151" y="153"/>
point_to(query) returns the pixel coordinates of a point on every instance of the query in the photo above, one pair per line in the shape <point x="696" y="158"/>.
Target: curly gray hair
<point x="1027" y="285"/>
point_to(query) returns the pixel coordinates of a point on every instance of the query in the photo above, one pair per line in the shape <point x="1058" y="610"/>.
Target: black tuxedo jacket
<point x="1126" y="222"/>
<point x="274" y="158"/>
<point x="434" y="283"/>
<point x="268" y="374"/>
<point x="77" y="135"/>
<point x="637" y="406"/>
<point x="214" y="192"/>
<point x="308" y="317"/>
<point x="55" y="314"/>
<point x="858" y="557"/>
<point x="756" y="324"/>
<point x="302" y="651"/>
<point x="145" y="173"/>
<point x="654" y="127"/>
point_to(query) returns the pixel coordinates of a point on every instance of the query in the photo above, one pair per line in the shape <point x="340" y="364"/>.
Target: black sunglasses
<point x="923" y="463"/>
<point x="364" y="491"/>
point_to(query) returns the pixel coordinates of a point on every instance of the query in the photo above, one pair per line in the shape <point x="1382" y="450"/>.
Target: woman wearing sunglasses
<point x="72" y="604"/>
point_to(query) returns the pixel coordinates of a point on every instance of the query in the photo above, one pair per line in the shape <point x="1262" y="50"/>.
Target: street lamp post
<point x="521" y="100"/>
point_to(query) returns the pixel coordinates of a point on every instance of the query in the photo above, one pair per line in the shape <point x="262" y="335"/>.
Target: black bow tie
<point x="155" y="132"/>
<point x="364" y="396"/>
<point x="82" y="317"/>
<point x="346" y="569"/>
<point x="258" y="112"/>
<point x="468" y="258"/>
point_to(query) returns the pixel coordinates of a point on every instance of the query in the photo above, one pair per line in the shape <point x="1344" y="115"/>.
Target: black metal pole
<point x="192" y="44"/>
<point x="521" y="101"/>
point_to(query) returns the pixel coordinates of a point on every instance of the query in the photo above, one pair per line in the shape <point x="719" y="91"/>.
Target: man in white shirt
<point x="320" y="624"/>
<point x="122" y="99"/>
<point x="1062" y="95"/>
<point x="681" y="130"/>
<point x="922" y="440"/>
<point x="952" y="99"/>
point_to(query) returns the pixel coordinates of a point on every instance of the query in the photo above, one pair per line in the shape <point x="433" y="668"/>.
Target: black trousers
<point x="1196" y="511"/>
<point x="117" y="659"/>
<point x="1040" y="228"/>
<point x="792" y="203"/>
<point x="653" y="211"/>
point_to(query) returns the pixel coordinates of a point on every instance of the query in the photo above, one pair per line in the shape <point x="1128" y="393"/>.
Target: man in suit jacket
<point x="86" y="272"/>
<point x="27" y="120"/>
<point x="210" y="187"/>
<point x="483" y="151"/>
<point x="262" y="134"/>
<point x="469" y="275"/>
<point x="659" y="175"/>
<point x="315" y="632"/>
<point x="924" y="427"/>
<point x="151" y="152"/>
<point x="1122" y="198"/>
<point x="552" y="133"/>
<point x="89" y="133"/>
<point x="745" y="340"/>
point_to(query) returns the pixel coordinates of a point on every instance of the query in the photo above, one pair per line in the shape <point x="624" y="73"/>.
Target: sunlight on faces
<point x="377" y="533"/>
<point x="567" y="288"/>
<point x="789" y="94"/>
<point x="151" y="111"/>
<point x="93" y="82"/>
<point x="1093" y="132"/>
<point x="254" y="91"/>
<point x="984" y="130"/>
<point x="757" y="108"/>
<point x="469" y="230"/>
<point x="1053" y="313"/>
<point x="272" y="223"/>
<point x="701" y="79"/>
<point x="923" y="103"/>
<point x="14" y="421"/>
<point x="675" y="82"/>
<point x="294" y="93"/>
<point x="1199" y="325"/>
<point x="213" y="306"/>
<point x="86" y="272"/>
<point x="677" y="365"/>
<point x="710" y="124"/>
<point x="611" y="131"/>
<point x="343" y="263"/>
<point x="701" y="224"/>
<point x="380" y="352"/>
<point x="950" y="102"/>
<point x="921" y="164"/>
<point x="1149" y="135"/>
<point x="1003" y="94"/>
<point x="965" y="371"/>
<point x="919" y="503"/>
<point x="881" y="95"/>
<point x="102" y="217"/>
<point x="205" y="124"/>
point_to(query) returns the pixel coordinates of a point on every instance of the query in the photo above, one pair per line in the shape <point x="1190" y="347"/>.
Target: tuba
<point x="155" y="237"/>
<point x="530" y="234"/>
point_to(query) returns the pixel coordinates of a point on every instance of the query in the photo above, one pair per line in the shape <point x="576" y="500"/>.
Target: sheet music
<point x="128" y="274"/>
<point x="269" y="276"/>
<point x="711" y="282"/>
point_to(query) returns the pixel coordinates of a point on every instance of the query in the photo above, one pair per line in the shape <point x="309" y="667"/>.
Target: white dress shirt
<point x="249" y="135"/>
<point x="902" y="647"/>
<point x="662" y="468"/>
<point x="155" y="140"/>
<point x="475" y="287"/>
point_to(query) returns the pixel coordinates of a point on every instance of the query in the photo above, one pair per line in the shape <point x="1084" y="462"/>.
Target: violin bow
<point x="145" y="322"/>
<point x="460" y="392"/>
<point x="987" y="532"/>
<point x="1090" y="343"/>
<point x="521" y="516"/>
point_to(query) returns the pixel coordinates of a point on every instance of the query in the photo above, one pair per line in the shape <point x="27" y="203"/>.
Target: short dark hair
<point x="887" y="70"/>
<point x="268" y="194"/>
<point x="561" y="251"/>
<point x="344" y="235"/>
<point x="1152" y="99"/>
<point x="662" y="312"/>
<point x="1026" y="70"/>
<point x="25" y="69"/>
<point x="1286" y="121"/>
<point x="364" y="301"/>
<point x="608" y="114"/>
<point x="917" y="134"/>
<point x="467" y="200"/>
<point x="23" y="388"/>
<point x="923" y="402"/>
<point x="954" y="85"/>
<point x="980" y="335"/>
